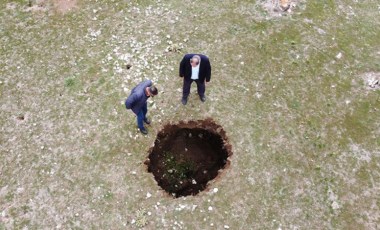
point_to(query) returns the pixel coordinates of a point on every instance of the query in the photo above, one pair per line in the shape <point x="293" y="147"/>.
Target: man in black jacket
<point x="195" y="67"/>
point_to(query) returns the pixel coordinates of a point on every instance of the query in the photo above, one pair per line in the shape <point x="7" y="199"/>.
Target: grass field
<point x="291" y="92"/>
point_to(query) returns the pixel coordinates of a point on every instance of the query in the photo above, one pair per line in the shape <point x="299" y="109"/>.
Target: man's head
<point x="195" y="60"/>
<point x="152" y="91"/>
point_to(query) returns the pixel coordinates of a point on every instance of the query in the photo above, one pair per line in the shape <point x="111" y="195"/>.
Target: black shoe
<point x="144" y="131"/>
<point x="184" y="101"/>
<point x="203" y="98"/>
<point x="147" y="121"/>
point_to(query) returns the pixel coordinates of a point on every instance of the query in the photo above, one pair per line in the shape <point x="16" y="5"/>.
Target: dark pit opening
<point x="187" y="155"/>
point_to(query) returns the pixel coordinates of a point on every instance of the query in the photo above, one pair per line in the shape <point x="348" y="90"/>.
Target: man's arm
<point x="208" y="69"/>
<point x="130" y="101"/>
<point x="182" y="67"/>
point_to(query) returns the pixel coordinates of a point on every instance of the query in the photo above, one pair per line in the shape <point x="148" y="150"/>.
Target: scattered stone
<point x="128" y="66"/>
<point x="373" y="83"/>
<point x="339" y="55"/>
<point x="174" y="47"/>
<point x="335" y="205"/>
<point x="372" y="80"/>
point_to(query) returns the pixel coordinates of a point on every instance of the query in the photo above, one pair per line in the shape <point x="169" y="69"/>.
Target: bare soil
<point x="64" y="6"/>
<point x="187" y="156"/>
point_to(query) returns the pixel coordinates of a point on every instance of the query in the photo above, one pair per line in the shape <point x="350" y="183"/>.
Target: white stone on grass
<point x="148" y="195"/>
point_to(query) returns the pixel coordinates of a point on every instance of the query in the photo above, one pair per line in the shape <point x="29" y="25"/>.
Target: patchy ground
<point x="53" y="6"/>
<point x="290" y="91"/>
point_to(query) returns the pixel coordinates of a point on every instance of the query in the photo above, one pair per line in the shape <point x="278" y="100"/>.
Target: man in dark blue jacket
<point x="137" y="102"/>
<point x="194" y="67"/>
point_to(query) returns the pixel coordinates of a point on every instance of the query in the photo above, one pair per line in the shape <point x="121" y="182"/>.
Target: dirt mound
<point x="188" y="155"/>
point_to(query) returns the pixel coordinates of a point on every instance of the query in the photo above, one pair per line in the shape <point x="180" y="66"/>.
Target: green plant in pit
<point x="178" y="170"/>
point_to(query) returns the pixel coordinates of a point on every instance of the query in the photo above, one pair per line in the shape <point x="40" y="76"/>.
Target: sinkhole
<point x="187" y="155"/>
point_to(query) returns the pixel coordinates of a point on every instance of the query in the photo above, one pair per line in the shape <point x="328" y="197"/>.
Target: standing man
<point x="137" y="102"/>
<point x="194" y="67"/>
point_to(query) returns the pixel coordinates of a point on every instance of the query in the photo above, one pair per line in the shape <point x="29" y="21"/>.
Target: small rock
<point x="148" y="195"/>
<point x="373" y="83"/>
<point x="210" y="208"/>
<point x="335" y="205"/>
<point x="339" y="55"/>
<point x="226" y="227"/>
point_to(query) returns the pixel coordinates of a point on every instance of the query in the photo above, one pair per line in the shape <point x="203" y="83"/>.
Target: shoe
<point x="203" y="98"/>
<point x="147" y="121"/>
<point x="144" y="131"/>
<point x="184" y="101"/>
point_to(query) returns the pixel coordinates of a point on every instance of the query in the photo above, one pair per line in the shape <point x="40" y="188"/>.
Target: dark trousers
<point x="201" y="87"/>
<point x="141" y="116"/>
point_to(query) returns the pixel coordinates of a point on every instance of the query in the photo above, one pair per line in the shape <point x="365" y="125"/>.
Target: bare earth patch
<point x="60" y="6"/>
<point x="64" y="6"/>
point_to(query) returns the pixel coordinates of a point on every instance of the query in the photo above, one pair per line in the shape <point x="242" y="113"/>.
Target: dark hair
<point x="153" y="90"/>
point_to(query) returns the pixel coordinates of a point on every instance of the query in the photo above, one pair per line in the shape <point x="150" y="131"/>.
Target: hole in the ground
<point x="187" y="155"/>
